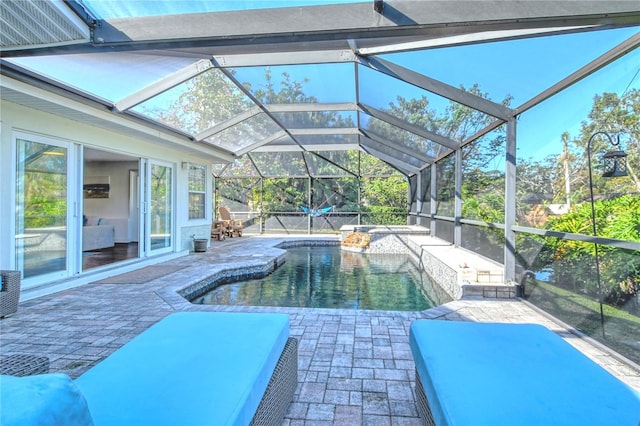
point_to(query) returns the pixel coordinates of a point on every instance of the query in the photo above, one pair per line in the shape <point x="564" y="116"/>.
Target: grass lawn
<point x="621" y="328"/>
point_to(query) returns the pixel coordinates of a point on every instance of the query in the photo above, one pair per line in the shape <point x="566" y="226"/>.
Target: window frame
<point x="192" y="168"/>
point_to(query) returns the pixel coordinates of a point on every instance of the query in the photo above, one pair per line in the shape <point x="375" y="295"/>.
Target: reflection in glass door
<point x="160" y="193"/>
<point x="43" y="197"/>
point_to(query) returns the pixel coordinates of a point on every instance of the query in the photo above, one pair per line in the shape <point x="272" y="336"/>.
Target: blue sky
<point x="521" y="68"/>
<point x="524" y="68"/>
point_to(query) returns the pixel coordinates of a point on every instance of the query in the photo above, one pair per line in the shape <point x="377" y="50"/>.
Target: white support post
<point x="457" y="212"/>
<point x="510" y="204"/>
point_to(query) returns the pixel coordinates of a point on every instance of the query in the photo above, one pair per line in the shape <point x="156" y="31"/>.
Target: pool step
<point x="461" y="273"/>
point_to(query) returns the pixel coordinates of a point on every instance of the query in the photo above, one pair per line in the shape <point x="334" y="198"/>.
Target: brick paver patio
<point x="355" y="367"/>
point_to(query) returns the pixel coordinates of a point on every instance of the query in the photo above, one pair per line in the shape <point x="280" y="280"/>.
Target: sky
<point x="524" y="68"/>
<point x="520" y="68"/>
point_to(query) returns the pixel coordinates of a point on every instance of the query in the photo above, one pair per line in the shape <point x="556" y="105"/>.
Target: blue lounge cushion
<point x="191" y="368"/>
<point x="45" y="399"/>
<point x="514" y="374"/>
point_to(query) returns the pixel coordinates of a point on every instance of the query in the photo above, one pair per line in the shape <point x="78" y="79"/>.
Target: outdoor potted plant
<point x="199" y="244"/>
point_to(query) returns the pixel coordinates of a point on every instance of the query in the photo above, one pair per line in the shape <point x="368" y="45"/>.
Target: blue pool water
<point x="328" y="277"/>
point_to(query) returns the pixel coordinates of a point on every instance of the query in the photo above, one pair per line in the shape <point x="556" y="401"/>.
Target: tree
<point x="614" y="115"/>
<point x="572" y="260"/>
<point x="44" y="179"/>
<point x="207" y="99"/>
<point x="617" y="205"/>
<point x="481" y="158"/>
<point x="210" y="99"/>
<point x="385" y="197"/>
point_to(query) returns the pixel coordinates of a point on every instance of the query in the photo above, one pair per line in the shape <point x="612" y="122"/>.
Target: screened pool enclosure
<point x="485" y="122"/>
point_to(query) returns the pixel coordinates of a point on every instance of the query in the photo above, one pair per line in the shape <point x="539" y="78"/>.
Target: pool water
<point x="328" y="277"/>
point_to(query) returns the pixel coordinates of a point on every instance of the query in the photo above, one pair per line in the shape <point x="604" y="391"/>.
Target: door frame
<point x="146" y="208"/>
<point x="73" y="260"/>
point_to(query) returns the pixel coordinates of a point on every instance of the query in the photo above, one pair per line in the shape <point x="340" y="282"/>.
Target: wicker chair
<point x="10" y="292"/>
<point x="24" y="365"/>
<point x="234" y="226"/>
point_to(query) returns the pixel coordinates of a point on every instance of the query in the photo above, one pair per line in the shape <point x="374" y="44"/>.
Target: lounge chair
<point x="9" y="292"/>
<point x="512" y="374"/>
<point x="191" y="368"/>
<point x="234" y="226"/>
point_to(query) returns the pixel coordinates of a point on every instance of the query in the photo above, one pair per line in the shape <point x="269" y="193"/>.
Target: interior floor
<point x="105" y="256"/>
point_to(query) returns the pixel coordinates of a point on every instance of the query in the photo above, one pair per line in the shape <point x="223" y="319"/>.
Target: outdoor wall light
<point x="615" y="165"/>
<point x="378" y="5"/>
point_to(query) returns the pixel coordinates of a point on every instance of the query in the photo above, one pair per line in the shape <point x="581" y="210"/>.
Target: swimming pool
<point x="328" y="277"/>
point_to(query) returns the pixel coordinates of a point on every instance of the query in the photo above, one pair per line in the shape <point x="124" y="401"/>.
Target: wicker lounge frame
<point x="422" y="403"/>
<point x="24" y="365"/>
<point x="282" y="385"/>
<point x="10" y="293"/>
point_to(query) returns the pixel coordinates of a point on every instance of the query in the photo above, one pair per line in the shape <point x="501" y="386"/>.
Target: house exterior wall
<point x="18" y="118"/>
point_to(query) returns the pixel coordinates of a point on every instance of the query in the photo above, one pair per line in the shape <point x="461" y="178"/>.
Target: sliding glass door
<point x="48" y="222"/>
<point x="46" y="209"/>
<point x="159" y="198"/>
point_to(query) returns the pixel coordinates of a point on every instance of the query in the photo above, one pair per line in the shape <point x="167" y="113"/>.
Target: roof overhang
<point x="19" y="89"/>
<point x="41" y="25"/>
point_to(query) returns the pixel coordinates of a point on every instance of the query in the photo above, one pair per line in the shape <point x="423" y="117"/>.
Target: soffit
<point x="40" y="24"/>
<point x="97" y="116"/>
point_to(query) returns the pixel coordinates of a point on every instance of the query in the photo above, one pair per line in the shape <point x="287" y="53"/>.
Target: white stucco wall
<point x="18" y="118"/>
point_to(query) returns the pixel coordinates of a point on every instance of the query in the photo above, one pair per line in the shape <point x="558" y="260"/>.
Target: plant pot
<point x="200" y="245"/>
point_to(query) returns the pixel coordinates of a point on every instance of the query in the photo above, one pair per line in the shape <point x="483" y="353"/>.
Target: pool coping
<point x="79" y="326"/>
<point x="439" y="259"/>
<point x="269" y="249"/>
<point x="254" y="270"/>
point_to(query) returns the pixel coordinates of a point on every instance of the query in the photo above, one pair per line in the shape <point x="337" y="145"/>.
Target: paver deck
<point x="355" y="367"/>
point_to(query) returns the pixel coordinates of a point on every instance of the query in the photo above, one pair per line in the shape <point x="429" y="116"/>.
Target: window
<point x="197" y="190"/>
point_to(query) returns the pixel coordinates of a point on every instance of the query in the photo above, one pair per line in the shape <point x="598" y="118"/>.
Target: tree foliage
<point x="336" y="176"/>
<point x="573" y="261"/>
<point x="617" y="116"/>
<point x="44" y="180"/>
<point x="207" y="99"/>
<point x="616" y="203"/>
<point x="611" y="113"/>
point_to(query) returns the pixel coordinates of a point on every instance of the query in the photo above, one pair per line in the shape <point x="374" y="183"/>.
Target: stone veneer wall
<point x="461" y="273"/>
<point x="389" y="243"/>
<point x="442" y="262"/>
<point x="443" y="274"/>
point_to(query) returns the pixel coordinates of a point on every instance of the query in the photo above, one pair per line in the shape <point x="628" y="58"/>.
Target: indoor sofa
<point x="97" y="234"/>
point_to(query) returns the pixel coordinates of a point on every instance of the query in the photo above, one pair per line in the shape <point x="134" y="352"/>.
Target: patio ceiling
<point x="149" y="69"/>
